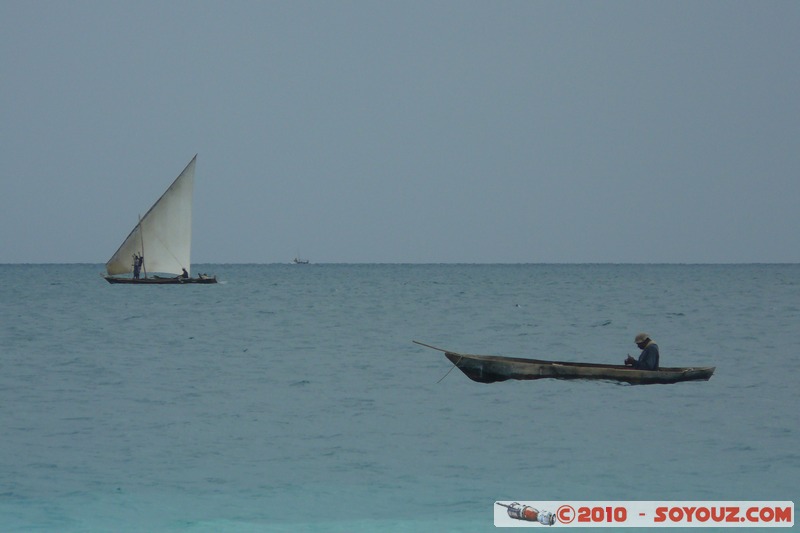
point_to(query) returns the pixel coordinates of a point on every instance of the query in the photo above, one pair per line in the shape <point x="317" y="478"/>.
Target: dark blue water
<point x="291" y="398"/>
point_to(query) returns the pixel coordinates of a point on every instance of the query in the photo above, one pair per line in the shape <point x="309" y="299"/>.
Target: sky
<point x="405" y="131"/>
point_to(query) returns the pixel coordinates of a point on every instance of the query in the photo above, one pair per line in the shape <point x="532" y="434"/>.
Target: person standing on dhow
<point x="137" y="265"/>
<point x="648" y="359"/>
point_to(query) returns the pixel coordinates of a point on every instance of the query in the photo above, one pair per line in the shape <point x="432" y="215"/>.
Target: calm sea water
<point x="291" y="398"/>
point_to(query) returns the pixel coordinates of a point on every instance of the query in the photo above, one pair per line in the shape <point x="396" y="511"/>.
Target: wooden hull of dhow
<point x="161" y="281"/>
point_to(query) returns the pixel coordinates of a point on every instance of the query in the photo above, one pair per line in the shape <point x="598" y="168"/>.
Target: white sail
<point x="163" y="235"/>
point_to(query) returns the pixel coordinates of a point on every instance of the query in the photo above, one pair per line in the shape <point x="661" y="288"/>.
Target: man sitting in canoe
<point x="648" y="359"/>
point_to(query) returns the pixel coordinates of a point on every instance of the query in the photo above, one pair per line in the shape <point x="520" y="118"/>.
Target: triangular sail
<point x="164" y="234"/>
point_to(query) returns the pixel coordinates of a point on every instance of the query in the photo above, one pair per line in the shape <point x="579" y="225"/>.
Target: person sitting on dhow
<point x="648" y="359"/>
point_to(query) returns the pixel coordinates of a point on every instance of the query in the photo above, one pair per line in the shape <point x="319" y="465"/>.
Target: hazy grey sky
<point x="404" y="131"/>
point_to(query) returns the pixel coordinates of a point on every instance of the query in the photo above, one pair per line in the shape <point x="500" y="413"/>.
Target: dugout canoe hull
<point x="492" y="368"/>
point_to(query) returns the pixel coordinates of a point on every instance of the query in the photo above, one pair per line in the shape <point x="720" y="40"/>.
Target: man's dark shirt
<point x="648" y="359"/>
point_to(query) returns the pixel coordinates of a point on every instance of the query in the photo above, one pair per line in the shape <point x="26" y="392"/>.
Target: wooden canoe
<point x="491" y="368"/>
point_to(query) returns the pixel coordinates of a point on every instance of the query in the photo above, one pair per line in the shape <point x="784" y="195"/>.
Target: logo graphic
<point x="529" y="514"/>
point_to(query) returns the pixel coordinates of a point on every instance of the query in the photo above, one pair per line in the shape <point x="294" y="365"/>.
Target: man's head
<point x="641" y="339"/>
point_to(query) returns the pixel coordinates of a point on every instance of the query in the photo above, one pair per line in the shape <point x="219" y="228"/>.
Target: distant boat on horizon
<point x="298" y="261"/>
<point x="165" y="234"/>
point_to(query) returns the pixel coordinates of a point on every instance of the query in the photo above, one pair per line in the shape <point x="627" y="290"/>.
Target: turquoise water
<point x="291" y="398"/>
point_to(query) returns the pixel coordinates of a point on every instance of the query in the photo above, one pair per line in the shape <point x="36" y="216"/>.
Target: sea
<point x="292" y="398"/>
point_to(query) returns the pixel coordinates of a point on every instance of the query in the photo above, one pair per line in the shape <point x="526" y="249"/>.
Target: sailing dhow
<point x="161" y="242"/>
